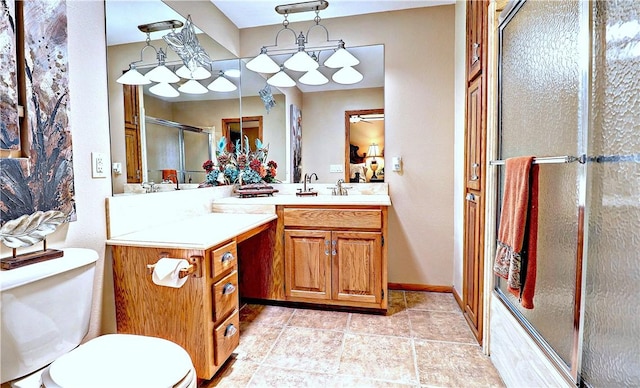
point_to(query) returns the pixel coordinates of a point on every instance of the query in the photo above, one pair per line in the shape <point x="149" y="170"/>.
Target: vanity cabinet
<point x="335" y="256"/>
<point x="201" y="316"/>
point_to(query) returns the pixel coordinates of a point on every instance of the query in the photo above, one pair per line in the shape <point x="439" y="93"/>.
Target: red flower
<point x="208" y="166"/>
<point x="272" y="164"/>
<point x="255" y="165"/>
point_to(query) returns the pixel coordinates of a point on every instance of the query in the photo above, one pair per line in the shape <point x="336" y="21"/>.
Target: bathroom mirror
<point x="207" y="115"/>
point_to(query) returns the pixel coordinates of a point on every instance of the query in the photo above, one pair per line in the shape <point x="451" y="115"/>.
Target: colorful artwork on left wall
<point x="43" y="180"/>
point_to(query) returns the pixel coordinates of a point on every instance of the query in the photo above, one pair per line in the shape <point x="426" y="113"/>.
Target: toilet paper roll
<point x="166" y="271"/>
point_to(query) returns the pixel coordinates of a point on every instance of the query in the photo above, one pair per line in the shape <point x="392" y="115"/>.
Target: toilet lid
<point x="122" y="360"/>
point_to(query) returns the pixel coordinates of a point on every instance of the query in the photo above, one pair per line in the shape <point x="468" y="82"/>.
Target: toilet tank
<point x="45" y="310"/>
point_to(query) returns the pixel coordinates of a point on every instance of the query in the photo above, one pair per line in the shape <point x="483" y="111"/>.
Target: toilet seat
<point x="122" y="360"/>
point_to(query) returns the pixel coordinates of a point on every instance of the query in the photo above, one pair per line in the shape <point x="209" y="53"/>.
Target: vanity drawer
<point x="227" y="338"/>
<point x="333" y="218"/>
<point x="223" y="258"/>
<point x="225" y="296"/>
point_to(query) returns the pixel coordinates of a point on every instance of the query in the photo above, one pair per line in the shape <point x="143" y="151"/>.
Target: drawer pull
<point x="230" y="330"/>
<point x="227" y="257"/>
<point x="228" y="288"/>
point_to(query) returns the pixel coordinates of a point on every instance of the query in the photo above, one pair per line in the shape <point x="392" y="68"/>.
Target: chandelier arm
<point x="325" y="30"/>
<point x="278" y="34"/>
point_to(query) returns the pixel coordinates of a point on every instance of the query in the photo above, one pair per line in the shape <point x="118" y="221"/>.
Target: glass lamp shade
<point x="192" y="87"/>
<point x="263" y="64"/>
<point x="313" y="77"/>
<point x="233" y="73"/>
<point x="347" y="76"/>
<point x="222" y="84"/>
<point x="341" y="58"/>
<point x="301" y="61"/>
<point x="199" y="73"/>
<point x="164" y="89"/>
<point x="133" y="77"/>
<point x="282" y="80"/>
<point x="161" y="73"/>
<point x="374" y="150"/>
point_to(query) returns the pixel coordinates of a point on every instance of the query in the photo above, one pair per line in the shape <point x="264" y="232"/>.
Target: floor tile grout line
<point x="344" y="340"/>
<point x="261" y="363"/>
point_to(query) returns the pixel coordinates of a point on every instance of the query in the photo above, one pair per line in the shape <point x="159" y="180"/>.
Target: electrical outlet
<point x="98" y="165"/>
<point x="336" y="168"/>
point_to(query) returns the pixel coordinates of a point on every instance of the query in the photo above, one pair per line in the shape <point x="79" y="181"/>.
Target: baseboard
<point x="458" y="299"/>
<point x="419" y="287"/>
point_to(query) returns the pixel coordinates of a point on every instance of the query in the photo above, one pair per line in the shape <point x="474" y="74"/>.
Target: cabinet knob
<point x="471" y="197"/>
<point x="227" y="257"/>
<point x="228" y="288"/>
<point x="230" y="330"/>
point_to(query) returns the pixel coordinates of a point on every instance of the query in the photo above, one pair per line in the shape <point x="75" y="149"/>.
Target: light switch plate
<point x="98" y="165"/>
<point x="336" y="168"/>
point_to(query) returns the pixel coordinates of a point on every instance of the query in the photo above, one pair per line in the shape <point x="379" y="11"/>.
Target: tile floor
<point x="424" y="341"/>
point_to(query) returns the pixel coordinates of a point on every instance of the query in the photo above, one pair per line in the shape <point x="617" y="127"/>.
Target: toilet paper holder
<point x="194" y="268"/>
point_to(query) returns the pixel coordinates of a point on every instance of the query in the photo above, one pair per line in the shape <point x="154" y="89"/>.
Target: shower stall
<point x="568" y="92"/>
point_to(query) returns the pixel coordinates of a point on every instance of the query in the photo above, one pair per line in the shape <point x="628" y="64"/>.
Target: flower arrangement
<point x="243" y="166"/>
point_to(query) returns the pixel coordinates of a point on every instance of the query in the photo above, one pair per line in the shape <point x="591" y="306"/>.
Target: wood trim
<point x="347" y="135"/>
<point x="226" y="122"/>
<point x="458" y="299"/>
<point x="419" y="287"/>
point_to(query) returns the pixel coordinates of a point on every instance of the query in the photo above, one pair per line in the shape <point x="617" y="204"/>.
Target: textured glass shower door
<point x="569" y="85"/>
<point x="611" y="350"/>
<point x="541" y="111"/>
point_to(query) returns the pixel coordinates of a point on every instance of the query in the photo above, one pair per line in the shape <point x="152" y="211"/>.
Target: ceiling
<point x="254" y="13"/>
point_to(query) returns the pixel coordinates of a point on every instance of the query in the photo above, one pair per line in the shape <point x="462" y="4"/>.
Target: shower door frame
<point x="570" y="373"/>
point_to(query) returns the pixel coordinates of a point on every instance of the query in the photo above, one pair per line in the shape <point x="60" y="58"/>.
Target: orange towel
<point x="170" y="175"/>
<point x="517" y="236"/>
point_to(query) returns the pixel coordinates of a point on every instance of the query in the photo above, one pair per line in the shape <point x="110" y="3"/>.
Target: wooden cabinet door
<point x="475" y="37"/>
<point x="131" y="105"/>
<point x="307" y="264"/>
<point x="132" y="141"/>
<point x="356" y="272"/>
<point x="473" y="266"/>
<point x="475" y="130"/>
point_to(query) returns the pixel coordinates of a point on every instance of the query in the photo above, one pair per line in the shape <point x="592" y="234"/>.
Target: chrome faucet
<point x="307" y="178"/>
<point x="168" y="178"/>
<point x="149" y="187"/>
<point x="339" y="189"/>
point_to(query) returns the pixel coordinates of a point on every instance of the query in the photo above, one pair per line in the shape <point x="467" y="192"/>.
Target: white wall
<point x="419" y="126"/>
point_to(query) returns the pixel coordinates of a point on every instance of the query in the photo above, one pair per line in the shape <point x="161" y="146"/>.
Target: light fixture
<point x="347" y="76"/>
<point x="233" y="73"/>
<point x="161" y="73"/>
<point x="163" y="89"/>
<point x="263" y="63"/>
<point x="221" y="84"/>
<point x="192" y="87"/>
<point x="302" y="59"/>
<point x="194" y="59"/>
<point x="313" y="77"/>
<point x="199" y="73"/>
<point x="374" y="151"/>
<point x="341" y="58"/>
<point x="281" y="80"/>
<point x="133" y="77"/>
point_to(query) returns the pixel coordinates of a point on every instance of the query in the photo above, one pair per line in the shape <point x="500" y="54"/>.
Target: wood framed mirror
<point x="364" y="132"/>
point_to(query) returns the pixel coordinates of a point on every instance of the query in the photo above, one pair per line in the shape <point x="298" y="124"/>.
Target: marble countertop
<point x="321" y="199"/>
<point x="202" y="232"/>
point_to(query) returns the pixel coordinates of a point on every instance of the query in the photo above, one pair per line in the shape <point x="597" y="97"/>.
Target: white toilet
<point x="45" y="315"/>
